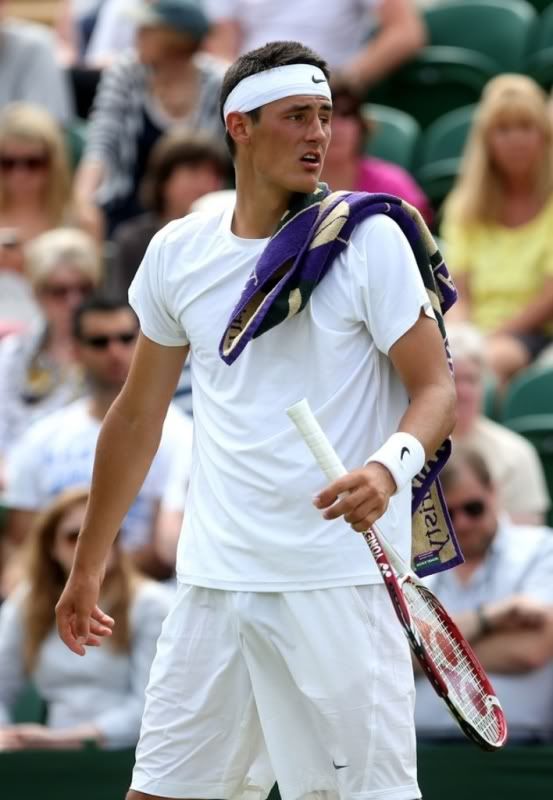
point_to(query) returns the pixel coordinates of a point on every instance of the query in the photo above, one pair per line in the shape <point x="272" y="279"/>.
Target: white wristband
<point x="403" y="456"/>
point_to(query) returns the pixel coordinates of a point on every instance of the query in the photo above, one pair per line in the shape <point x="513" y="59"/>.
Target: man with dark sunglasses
<point x="58" y="451"/>
<point x="502" y="599"/>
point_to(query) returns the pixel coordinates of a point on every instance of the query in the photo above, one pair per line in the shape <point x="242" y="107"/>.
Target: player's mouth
<point x="312" y="160"/>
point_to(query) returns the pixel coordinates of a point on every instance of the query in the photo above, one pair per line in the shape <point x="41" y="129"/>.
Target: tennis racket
<point x="443" y="653"/>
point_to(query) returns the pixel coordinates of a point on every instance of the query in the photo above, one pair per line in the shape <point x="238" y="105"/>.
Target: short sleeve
<point x="148" y="298"/>
<point x="389" y="293"/>
<point x="538" y="577"/>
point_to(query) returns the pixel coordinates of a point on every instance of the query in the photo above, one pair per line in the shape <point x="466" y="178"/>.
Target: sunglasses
<point x="61" y="291"/>
<point x="472" y="509"/>
<point x="30" y="163"/>
<point x="103" y="342"/>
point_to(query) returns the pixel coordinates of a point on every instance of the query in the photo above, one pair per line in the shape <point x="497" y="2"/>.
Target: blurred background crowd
<point x="109" y="129"/>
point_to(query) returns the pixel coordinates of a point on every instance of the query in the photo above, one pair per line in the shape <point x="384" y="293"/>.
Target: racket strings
<point x="453" y="664"/>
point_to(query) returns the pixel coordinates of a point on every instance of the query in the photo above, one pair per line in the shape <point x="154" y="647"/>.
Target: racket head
<point x="453" y="668"/>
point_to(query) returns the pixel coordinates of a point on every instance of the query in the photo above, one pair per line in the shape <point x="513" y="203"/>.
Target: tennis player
<point x="281" y="657"/>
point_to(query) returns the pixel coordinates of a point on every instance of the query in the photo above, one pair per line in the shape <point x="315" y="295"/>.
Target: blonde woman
<point x="97" y="698"/>
<point x="498" y="220"/>
<point x="38" y="372"/>
<point x="35" y="179"/>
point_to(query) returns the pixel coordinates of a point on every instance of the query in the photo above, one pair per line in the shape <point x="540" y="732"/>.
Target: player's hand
<point x="79" y="619"/>
<point x="361" y="496"/>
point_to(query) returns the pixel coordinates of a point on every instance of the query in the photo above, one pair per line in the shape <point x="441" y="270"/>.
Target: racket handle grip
<point x="315" y="438"/>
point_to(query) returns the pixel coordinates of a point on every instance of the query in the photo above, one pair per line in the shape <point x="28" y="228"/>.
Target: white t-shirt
<point x="57" y="452"/>
<point x="335" y="31"/>
<point x="519" y="561"/>
<point x="250" y="522"/>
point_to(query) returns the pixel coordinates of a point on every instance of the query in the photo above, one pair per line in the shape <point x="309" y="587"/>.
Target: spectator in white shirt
<point x="98" y="698"/>
<point x="502" y="600"/>
<point x="58" y="451"/>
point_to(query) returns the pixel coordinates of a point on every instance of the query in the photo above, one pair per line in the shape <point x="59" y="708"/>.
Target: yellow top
<point x="506" y="267"/>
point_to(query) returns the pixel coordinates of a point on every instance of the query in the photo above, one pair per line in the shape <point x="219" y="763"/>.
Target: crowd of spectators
<point x="109" y="129"/>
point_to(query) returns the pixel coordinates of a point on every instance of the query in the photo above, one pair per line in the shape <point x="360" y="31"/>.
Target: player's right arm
<point x="127" y="443"/>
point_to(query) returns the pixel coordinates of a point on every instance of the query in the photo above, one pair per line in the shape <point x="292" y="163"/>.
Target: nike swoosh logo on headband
<point x="318" y="80"/>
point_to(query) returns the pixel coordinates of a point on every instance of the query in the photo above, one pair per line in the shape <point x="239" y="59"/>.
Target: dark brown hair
<point x="176" y="148"/>
<point x="271" y="55"/>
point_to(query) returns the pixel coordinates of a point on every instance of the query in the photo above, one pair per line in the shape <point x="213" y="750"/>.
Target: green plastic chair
<point x="445" y="138"/>
<point x="529" y="394"/>
<point x="538" y="429"/>
<point x="438" y="80"/>
<point x="75" y="139"/>
<point x="395" y="136"/>
<point x="501" y="31"/>
<point x="29" y="706"/>
<point x="539" y="63"/>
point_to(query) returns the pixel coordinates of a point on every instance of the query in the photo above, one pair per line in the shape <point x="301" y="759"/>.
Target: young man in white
<point x="281" y="657"/>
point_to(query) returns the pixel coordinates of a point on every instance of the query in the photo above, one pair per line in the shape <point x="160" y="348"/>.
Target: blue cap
<point x="185" y="16"/>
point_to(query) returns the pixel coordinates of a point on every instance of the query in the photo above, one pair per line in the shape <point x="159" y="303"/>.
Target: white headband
<point x="274" y="84"/>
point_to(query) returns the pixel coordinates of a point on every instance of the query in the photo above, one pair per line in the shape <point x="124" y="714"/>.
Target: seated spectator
<point x="58" y="451"/>
<point x="502" y="600"/>
<point x="183" y="166"/>
<point x="346" y="164"/>
<point x="29" y="70"/>
<point x="35" y="178"/>
<point x="166" y="83"/>
<point x="515" y="467"/>
<point x="362" y="40"/>
<point x="97" y="698"/>
<point x="497" y="224"/>
<point x="38" y="369"/>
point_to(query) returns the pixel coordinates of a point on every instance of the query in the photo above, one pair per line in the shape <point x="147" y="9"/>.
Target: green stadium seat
<point x="501" y="31"/>
<point x="529" y="394"/>
<point x="538" y="429"/>
<point x="395" y="136"/>
<point x="75" y="139"/>
<point x="29" y="706"/>
<point x="438" y="80"/>
<point x="439" y="152"/>
<point x="445" y="137"/>
<point x="539" y="64"/>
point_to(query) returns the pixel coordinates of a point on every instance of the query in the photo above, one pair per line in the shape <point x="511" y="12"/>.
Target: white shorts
<point x="313" y="689"/>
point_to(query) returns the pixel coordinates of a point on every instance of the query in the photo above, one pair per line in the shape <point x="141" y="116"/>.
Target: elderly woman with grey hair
<point x="512" y="460"/>
<point x="37" y="369"/>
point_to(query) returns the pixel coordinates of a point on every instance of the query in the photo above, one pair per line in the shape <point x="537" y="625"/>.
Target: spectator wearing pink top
<point x="348" y="167"/>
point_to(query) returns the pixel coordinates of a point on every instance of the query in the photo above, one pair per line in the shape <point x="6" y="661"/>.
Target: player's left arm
<point x="418" y="356"/>
<point x="400" y="34"/>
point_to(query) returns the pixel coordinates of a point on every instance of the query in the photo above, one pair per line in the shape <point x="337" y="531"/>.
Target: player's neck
<point x="259" y="208"/>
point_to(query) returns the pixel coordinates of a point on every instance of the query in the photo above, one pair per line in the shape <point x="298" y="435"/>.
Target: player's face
<point x="473" y="510"/>
<point x="106" y="346"/>
<point x="289" y="142"/>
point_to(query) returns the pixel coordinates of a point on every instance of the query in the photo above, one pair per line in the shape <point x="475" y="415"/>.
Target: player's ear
<point x="239" y="127"/>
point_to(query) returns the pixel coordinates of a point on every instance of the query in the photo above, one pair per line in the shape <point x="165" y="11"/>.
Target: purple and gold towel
<point x="315" y="229"/>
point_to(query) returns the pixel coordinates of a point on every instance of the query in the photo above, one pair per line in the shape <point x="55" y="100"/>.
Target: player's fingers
<point x="101" y="617"/>
<point x="66" y="632"/>
<point x="93" y="641"/>
<point x="98" y="629"/>
<point x="345" y="504"/>
<point x="362" y="513"/>
<point x="342" y="486"/>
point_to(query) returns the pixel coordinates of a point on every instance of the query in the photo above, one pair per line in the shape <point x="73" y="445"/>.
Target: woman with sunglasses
<point x="38" y="371"/>
<point x="35" y="178"/>
<point x="99" y="698"/>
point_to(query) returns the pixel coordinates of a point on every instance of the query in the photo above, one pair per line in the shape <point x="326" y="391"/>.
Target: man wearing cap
<point x="281" y="658"/>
